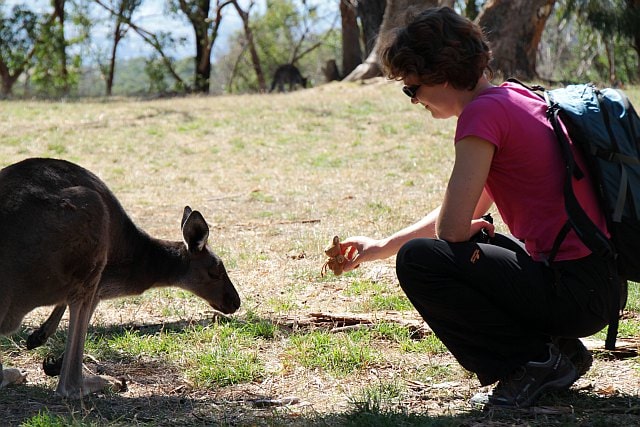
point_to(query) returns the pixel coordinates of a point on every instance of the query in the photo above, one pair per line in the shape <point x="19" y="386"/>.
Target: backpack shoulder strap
<point x="537" y="89"/>
<point x="578" y="219"/>
<point x="584" y="227"/>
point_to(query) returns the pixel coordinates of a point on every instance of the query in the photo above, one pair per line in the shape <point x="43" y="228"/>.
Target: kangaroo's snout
<point x="230" y="301"/>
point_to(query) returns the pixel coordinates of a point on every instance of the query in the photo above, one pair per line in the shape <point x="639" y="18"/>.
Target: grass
<point x="276" y="177"/>
<point x="337" y="354"/>
<point x="45" y="419"/>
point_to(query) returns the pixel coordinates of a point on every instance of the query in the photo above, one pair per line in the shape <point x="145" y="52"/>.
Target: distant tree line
<point x="54" y="53"/>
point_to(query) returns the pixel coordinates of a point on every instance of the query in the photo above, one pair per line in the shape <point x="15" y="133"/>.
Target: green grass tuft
<point x="340" y="354"/>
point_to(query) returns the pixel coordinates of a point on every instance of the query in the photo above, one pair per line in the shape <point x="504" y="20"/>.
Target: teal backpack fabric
<point x="605" y="128"/>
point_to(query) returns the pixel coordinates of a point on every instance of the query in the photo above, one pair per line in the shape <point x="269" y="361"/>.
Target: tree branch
<point x="152" y="40"/>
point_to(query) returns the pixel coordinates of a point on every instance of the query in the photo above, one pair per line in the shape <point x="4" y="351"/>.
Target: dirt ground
<point x="158" y="394"/>
<point x="276" y="177"/>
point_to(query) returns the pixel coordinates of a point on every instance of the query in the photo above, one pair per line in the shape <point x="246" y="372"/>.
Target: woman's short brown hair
<point x="437" y="46"/>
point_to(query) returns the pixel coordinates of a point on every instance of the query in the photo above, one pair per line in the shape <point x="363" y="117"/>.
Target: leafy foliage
<point x="18" y="36"/>
<point x="54" y="73"/>
<point x="604" y="33"/>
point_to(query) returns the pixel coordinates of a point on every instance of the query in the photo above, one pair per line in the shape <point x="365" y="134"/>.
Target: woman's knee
<point x="413" y="252"/>
<point x="414" y="260"/>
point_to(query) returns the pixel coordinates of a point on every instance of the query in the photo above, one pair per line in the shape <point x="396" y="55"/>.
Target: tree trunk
<point x="609" y="48"/>
<point x="255" y="59"/>
<point x="206" y="32"/>
<point x="330" y="71"/>
<point x="351" y="51"/>
<point x="8" y="79"/>
<point x="394" y="15"/>
<point x="471" y="9"/>
<point x="370" y="13"/>
<point x="514" y="29"/>
<point x="112" y="59"/>
<point x="198" y="13"/>
<point x="633" y="6"/>
<point x="58" y="7"/>
<point x="118" y="33"/>
<point x="203" y="57"/>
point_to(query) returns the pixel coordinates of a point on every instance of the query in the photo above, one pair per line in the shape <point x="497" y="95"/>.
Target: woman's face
<point x="437" y="99"/>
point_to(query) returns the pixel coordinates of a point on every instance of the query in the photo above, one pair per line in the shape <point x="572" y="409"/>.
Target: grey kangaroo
<point x="65" y="240"/>
<point x="287" y="74"/>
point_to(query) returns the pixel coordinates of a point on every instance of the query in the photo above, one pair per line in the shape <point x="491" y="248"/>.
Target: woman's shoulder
<point x="508" y="96"/>
<point x="515" y="90"/>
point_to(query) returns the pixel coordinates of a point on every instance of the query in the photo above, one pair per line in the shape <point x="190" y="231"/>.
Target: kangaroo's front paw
<point x="36" y="339"/>
<point x="12" y="376"/>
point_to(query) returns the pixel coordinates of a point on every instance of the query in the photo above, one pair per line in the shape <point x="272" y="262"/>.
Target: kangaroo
<point x="287" y="74"/>
<point x="65" y="240"/>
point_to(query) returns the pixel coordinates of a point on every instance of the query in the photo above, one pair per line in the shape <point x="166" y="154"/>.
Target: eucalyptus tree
<point x="370" y="14"/>
<point x="34" y="46"/>
<point x="205" y="21"/>
<point x="18" y="37"/>
<point x="618" y="24"/>
<point x="351" y="49"/>
<point x="123" y="11"/>
<point x="359" y="37"/>
<point x="296" y="32"/>
<point x="514" y="29"/>
<point x="160" y="41"/>
<point x="250" y="43"/>
<point x="51" y="71"/>
<point x="394" y="15"/>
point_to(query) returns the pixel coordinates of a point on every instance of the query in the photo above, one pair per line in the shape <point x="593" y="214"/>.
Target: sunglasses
<point x="411" y="91"/>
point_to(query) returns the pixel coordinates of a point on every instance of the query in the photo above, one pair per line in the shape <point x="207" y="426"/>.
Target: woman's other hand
<point x="479" y="224"/>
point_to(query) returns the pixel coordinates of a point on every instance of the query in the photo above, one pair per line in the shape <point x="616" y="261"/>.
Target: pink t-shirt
<point x="527" y="172"/>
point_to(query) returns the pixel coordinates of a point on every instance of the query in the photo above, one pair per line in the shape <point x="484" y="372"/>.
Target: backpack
<point x="605" y="128"/>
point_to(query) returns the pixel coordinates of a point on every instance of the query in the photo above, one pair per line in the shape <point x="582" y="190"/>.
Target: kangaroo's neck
<point x="138" y="262"/>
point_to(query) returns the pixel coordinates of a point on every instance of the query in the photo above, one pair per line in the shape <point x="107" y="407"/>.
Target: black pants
<point x="494" y="307"/>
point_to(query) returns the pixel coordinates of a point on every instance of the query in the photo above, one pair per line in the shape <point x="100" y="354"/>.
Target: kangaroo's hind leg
<point x="87" y="254"/>
<point x="72" y="383"/>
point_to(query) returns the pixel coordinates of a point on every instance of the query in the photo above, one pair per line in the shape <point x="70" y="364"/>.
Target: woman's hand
<point x="359" y="249"/>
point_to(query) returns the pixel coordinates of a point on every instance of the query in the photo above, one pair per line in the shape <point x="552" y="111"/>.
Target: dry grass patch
<point x="276" y="176"/>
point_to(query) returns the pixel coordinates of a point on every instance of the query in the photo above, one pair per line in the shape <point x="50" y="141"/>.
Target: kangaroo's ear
<point x="185" y="215"/>
<point x="195" y="231"/>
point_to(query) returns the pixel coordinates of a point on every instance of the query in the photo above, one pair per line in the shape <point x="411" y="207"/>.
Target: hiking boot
<point x="523" y="386"/>
<point x="575" y="350"/>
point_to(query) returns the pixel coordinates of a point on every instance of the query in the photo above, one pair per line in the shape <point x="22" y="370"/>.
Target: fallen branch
<point x="341" y="322"/>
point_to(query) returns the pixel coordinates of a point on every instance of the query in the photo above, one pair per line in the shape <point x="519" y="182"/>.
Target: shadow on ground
<point x="27" y="402"/>
<point x="183" y="406"/>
